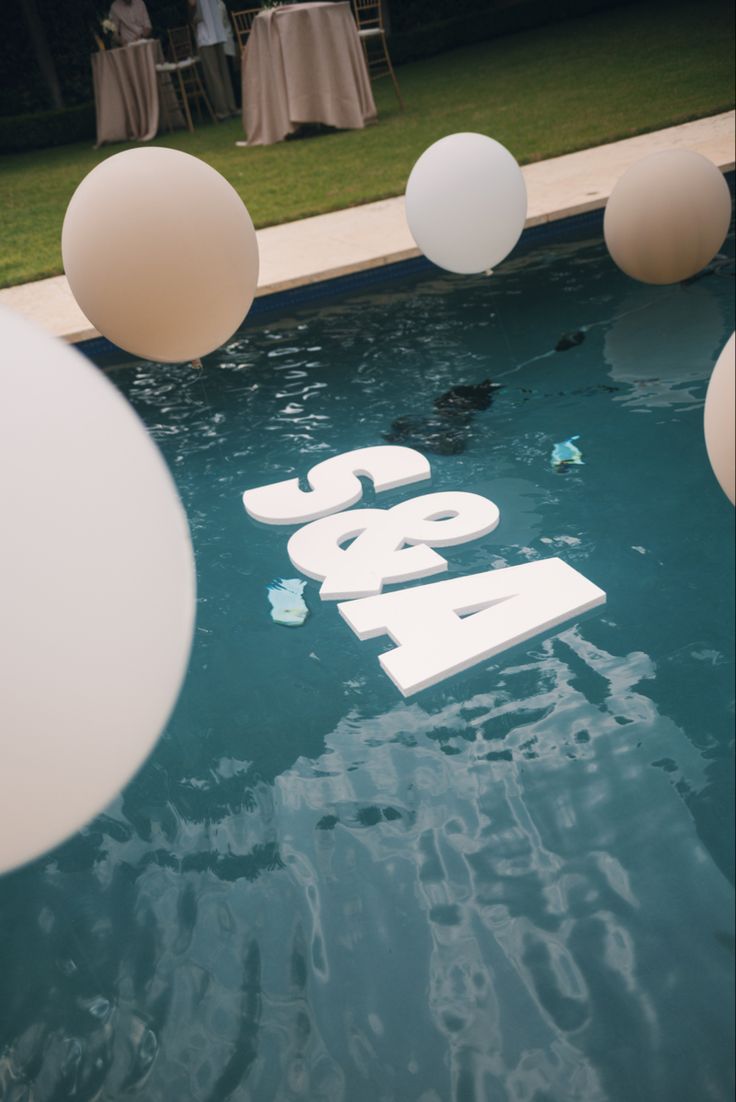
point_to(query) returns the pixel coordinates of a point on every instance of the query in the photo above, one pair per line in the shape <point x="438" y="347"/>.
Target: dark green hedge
<point x="489" y="20"/>
<point x="70" y="26"/>
<point x="418" y="28"/>
<point x="46" y="128"/>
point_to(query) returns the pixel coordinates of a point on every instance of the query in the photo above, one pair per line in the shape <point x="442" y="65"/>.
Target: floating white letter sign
<point x="438" y="629"/>
<point x="446" y="627"/>
<point x="378" y="553"/>
<point x="335" y="484"/>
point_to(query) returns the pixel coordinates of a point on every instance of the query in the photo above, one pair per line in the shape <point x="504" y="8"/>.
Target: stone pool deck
<point x="333" y="245"/>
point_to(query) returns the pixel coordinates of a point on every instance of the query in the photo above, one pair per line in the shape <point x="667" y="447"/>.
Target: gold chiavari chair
<point x="181" y="45"/>
<point x="372" y="34"/>
<point x="242" y="23"/>
<point x="185" y="68"/>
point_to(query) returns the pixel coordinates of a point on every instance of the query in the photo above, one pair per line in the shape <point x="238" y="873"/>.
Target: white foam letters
<point x="378" y="553"/>
<point x="335" y="485"/>
<point x="448" y="626"/>
<point x="441" y="628"/>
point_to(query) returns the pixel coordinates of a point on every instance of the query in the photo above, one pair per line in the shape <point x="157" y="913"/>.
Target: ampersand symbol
<point x="388" y="545"/>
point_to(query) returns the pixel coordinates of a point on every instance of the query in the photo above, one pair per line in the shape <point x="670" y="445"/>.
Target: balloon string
<point x="200" y="369"/>
<point x="512" y="357"/>
<point x="584" y="328"/>
<point x="85" y="958"/>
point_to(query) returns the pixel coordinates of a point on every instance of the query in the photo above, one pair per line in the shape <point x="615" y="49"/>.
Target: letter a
<point x="449" y="626"/>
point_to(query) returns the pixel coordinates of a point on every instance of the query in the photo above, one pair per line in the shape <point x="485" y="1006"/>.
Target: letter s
<point x="335" y="484"/>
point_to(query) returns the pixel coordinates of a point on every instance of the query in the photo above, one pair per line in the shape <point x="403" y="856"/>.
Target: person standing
<point x="211" y="34"/>
<point x="232" y="53"/>
<point x="132" y="21"/>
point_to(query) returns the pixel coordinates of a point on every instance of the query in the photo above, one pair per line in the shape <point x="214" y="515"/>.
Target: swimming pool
<point x="515" y="885"/>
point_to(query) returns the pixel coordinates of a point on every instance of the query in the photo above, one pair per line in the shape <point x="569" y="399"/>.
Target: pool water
<point x="516" y="885"/>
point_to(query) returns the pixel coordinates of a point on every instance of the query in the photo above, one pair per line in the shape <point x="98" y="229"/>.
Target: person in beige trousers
<point x="211" y="32"/>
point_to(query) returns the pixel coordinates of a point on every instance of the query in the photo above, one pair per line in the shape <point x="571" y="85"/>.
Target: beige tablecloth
<point x="127" y="93"/>
<point x="304" y="63"/>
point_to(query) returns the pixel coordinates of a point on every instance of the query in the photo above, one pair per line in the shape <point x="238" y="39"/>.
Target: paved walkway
<point x="336" y="244"/>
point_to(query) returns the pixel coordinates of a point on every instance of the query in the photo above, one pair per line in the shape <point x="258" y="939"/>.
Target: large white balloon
<point x="160" y="253"/>
<point x="97" y="579"/>
<point x="466" y="203"/>
<point x="667" y="216"/>
<point x="720" y="409"/>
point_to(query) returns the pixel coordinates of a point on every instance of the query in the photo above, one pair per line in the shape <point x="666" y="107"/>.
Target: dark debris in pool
<point x="432" y="434"/>
<point x="570" y="340"/>
<point x="463" y="399"/>
<point x="445" y="431"/>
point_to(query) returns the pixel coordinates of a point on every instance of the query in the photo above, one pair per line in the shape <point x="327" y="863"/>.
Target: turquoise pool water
<point x="516" y="885"/>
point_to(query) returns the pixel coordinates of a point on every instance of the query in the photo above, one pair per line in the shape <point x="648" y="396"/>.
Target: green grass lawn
<point x="541" y="93"/>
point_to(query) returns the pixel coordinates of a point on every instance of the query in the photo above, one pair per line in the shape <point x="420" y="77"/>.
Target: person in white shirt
<point x="132" y="21"/>
<point x="210" y="30"/>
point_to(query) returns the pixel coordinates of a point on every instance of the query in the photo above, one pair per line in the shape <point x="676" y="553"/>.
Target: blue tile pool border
<point x="354" y="282"/>
<point x="105" y="354"/>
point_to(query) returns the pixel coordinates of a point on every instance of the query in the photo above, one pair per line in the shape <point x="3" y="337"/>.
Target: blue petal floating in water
<point x="566" y="453"/>
<point x="287" y="603"/>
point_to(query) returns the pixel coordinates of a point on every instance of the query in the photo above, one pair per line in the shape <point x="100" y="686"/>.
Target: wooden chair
<point x="181" y="44"/>
<point x="369" y="18"/>
<point x="242" y="23"/>
<point x="184" y="66"/>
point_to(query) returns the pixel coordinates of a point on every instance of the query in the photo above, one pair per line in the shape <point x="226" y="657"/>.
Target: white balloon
<point x="97" y="577"/>
<point x="466" y="203"/>
<point x="160" y="253"/>
<point x="667" y="216"/>
<point x="720" y="407"/>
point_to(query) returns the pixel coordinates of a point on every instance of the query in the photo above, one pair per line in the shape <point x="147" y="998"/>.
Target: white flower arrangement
<point x="108" y="25"/>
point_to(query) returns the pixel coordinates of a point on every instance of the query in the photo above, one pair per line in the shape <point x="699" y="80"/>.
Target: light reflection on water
<point x="515" y="886"/>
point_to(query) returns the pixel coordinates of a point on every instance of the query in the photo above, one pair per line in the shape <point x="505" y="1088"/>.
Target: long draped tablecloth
<point x="304" y="64"/>
<point x="127" y="93"/>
